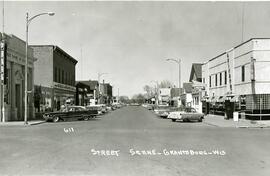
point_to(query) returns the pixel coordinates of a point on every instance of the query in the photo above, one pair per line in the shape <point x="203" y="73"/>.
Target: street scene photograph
<point x="134" y="88"/>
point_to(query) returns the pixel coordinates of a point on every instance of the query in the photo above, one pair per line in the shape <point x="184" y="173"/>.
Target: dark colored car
<point x="70" y="113"/>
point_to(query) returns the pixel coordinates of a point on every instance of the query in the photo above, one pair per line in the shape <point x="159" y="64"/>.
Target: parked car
<point x="189" y="114"/>
<point x="95" y="108"/>
<point x="164" y="111"/>
<point x="70" y="113"/>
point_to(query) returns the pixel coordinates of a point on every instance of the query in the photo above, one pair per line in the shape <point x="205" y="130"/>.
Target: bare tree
<point x="149" y="91"/>
<point x="165" y="84"/>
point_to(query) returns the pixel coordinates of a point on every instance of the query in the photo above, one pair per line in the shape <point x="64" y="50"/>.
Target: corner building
<point x="238" y="79"/>
<point x="15" y="79"/>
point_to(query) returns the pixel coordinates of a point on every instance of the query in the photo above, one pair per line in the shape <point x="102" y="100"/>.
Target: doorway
<point x="18" y="101"/>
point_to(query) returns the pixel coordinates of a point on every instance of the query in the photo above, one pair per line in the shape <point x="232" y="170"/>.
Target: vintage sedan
<point x="162" y="111"/>
<point x="70" y="113"/>
<point x="189" y="114"/>
<point x="95" y="108"/>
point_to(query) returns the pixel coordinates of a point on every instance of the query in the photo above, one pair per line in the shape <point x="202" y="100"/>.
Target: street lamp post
<point x="178" y="61"/>
<point x="28" y="20"/>
<point x="99" y="75"/>
<point x="157" y="91"/>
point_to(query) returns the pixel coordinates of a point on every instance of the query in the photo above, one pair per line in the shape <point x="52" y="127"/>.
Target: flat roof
<point x="236" y="47"/>
<point x="55" y="47"/>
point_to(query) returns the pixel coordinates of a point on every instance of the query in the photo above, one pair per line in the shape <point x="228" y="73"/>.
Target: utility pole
<point x="118" y="96"/>
<point x="3" y="60"/>
<point x="178" y="61"/>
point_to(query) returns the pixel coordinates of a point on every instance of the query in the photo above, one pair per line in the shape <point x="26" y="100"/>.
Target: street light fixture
<point x="28" y="20"/>
<point x="178" y="61"/>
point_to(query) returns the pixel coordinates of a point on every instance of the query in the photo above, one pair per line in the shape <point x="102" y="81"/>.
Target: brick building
<point x="55" y="74"/>
<point x="105" y="93"/>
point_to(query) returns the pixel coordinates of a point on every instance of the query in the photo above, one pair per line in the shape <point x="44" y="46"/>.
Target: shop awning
<point x="221" y="99"/>
<point x="235" y="98"/>
<point x="214" y="99"/>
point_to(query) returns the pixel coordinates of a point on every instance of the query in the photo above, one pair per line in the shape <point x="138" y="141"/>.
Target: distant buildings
<point x="197" y="86"/>
<point x="82" y="92"/>
<point x="105" y="93"/>
<point x="164" y="95"/>
<point x="55" y="74"/>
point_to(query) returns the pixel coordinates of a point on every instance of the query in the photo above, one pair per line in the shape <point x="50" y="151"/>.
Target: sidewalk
<point x="21" y="123"/>
<point x="219" y="121"/>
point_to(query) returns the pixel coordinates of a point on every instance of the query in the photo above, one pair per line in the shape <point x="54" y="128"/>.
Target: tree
<point x="138" y="98"/>
<point x="124" y="99"/>
<point x="149" y="91"/>
<point x="165" y="84"/>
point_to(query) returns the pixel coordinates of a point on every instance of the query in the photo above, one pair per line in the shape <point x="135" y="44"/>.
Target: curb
<point x="37" y="123"/>
<point x="211" y="124"/>
<point x="21" y="123"/>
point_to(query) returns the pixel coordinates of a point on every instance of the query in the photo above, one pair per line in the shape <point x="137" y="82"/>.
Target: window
<point x="63" y="77"/>
<point x="55" y="74"/>
<point x="216" y="80"/>
<point x="243" y="73"/>
<point x="225" y="77"/>
<point x="66" y="78"/>
<point x="220" y="78"/>
<point x="59" y="75"/>
<point x="210" y="81"/>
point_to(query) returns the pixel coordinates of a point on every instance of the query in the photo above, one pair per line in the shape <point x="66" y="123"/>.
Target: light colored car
<point x="189" y="114"/>
<point x="162" y="111"/>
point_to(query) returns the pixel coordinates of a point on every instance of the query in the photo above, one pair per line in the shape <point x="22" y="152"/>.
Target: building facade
<point x="93" y="92"/>
<point x="164" y="95"/>
<point x="238" y="78"/>
<point x="197" y="86"/>
<point x="15" y="79"/>
<point x="81" y="94"/>
<point x="105" y="93"/>
<point x="55" y="73"/>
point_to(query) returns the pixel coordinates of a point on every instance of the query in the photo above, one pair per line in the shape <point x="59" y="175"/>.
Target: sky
<point x="130" y="41"/>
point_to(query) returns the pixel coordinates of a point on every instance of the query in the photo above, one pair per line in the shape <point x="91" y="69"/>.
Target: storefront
<point x="63" y="95"/>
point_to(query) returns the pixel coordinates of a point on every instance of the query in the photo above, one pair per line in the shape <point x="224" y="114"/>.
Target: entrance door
<point x="18" y="101"/>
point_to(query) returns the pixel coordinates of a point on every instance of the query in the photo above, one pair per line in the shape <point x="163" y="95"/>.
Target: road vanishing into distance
<point x="133" y="141"/>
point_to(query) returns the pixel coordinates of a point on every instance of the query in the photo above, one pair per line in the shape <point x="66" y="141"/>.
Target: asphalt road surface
<point x="133" y="141"/>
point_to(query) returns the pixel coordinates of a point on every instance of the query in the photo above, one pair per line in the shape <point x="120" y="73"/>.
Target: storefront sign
<point x="64" y="87"/>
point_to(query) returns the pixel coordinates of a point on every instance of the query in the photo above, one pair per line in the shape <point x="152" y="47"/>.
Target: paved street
<point x="173" y="148"/>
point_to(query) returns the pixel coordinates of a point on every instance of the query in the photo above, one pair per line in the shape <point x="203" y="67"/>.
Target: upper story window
<point x="55" y="74"/>
<point x="225" y="77"/>
<point x="216" y="80"/>
<point x="63" y="77"/>
<point x="220" y="78"/>
<point x="243" y="73"/>
<point x="210" y="85"/>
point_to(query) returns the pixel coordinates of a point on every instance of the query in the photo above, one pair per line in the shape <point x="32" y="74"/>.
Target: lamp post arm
<point x="174" y="60"/>
<point x="30" y="19"/>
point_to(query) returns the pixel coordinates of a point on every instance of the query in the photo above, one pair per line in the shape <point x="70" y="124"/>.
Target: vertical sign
<point x="3" y="50"/>
<point x="2" y="62"/>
